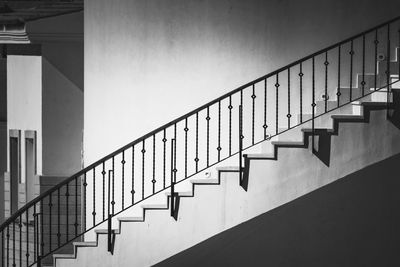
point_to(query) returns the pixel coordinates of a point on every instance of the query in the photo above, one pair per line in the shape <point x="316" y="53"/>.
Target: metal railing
<point x="253" y="113"/>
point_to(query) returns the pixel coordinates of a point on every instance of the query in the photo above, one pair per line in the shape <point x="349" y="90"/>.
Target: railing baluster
<point x="143" y="158"/>
<point x="41" y="233"/>
<point x="20" y="240"/>
<point x="113" y="185"/>
<point x="301" y="74"/>
<point x="34" y="233"/>
<point x="173" y="178"/>
<point x="109" y="220"/>
<point x="208" y="136"/>
<point x="176" y="140"/>
<point x="326" y="63"/>
<point x="313" y="103"/>
<point x="186" y="129"/>
<point x="363" y="67"/>
<point x="338" y="84"/>
<point x="94" y="197"/>
<point x="133" y="174"/>
<point x="288" y="114"/>
<point x="103" y="173"/>
<point x="277" y="103"/>
<point x="253" y="96"/>
<point x="219" y="131"/>
<point x="76" y="206"/>
<point x="84" y="201"/>
<point x="123" y="179"/>
<point x="2" y="248"/>
<point x="27" y="239"/>
<point x="50" y="215"/>
<point x="13" y="243"/>
<point x="67" y="211"/>
<point x="230" y="125"/>
<point x="240" y="138"/>
<point x="8" y="245"/>
<point x="388" y="72"/>
<point x="196" y="159"/>
<point x="265" y="126"/>
<point x="376" y="42"/>
<point x="154" y="164"/>
<point x="58" y="218"/>
<point x="164" y="140"/>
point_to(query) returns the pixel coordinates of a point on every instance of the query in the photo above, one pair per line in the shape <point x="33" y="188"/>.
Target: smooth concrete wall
<point x="24" y="99"/>
<point x="3" y="131"/>
<point x="148" y="62"/>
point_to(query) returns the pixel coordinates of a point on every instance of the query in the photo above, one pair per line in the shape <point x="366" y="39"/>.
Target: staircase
<point x="259" y="143"/>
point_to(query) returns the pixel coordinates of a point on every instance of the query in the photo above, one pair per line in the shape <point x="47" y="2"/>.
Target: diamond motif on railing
<point x="301" y="74"/>
<point x="313" y="105"/>
<point x="123" y="161"/>
<point x="153" y="181"/>
<point x="242" y="137"/>
<point x="253" y="96"/>
<point x="289" y="115"/>
<point x="132" y="192"/>
<point x="265" y="126"/>
<point x="351" y="52"/>
<point x="326" y="63"/>
<point x="143" y="151"/>
<point x="113" y="202"/>
<point x="230" y="107"/>
<point x="219" y="148"/>
<point x="85" y="184"/>
<point x="363" y="83"/>
<point x="94" y="213"/>
<point x="277" y="85"/>
<point x="338" y="93"/>
<point x="376" y="42"/>
<point x="196" y="159"/>
<point x="208" y="118"/>
<point x="103" y="172"/>
<point x="164" y="140"/>
<point x="186" y="129"/>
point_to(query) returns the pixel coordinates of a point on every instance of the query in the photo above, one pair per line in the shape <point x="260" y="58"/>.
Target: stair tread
<point x="288" y="143"/>
<point x="260" y="155"/>
<point x="64" y="256"/>
<point x="105" y="231"/>
<point x="308" y="130"/>
<point x="204" y="181"/>
<point x="182" y="194"/>
<point x="344" y="116"/>
<point x="228" y="168"/>
<point x="155" y="206"/>
<point x="131" y="219"/>
<point x="85" y="244"/>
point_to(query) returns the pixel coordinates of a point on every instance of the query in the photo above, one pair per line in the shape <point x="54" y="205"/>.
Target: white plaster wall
<point x="24" y="98"/>
<point x="150" y="61"/>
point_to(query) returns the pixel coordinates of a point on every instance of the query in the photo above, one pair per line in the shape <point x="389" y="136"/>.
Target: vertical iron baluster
<point x="76" y="206"/>
<point x="13" y="243"/>
<point x="94" y="196"/>
<point x="230" y="125"/>
<point x="301" y="91"/>
<point x="172" y="178"/>
<point x="338" y="85"/>
<point x="164" y="155"/>
<point x="8" y="245"/>
<point x="34" y="233"/>
<point x="388" y="72"/>
<point x="186" y="129"/>
<point x="277" y="103"/>
<point x="133" y="175"/>
<point x="2" y="248"/>
<point x="219" y="131"/>
<point x="123" y="179"/>
<point x="113" y="185"/>
<point x="376" y="42"/>
<point x="313" y="102"/>
<point x="265" y="109"/>
<point x="326" y="63"/>
<point x="175" y="141"/>
<point x="103" y="173"/>
<point x="253" y="97"/>
<point x="240" y="138"/>
<point x="363" y="67"/>
<point x="288" y="115"/>
<point x="50" y="215"/>
<point x="58" y="218"/>
<point x="41" y="233"/>
<point x="154" y="164"/>
<point x="143" y="158"/>
<point x="109" y="216"/>
<point x="84" y="202"/>
<point x="20" y="240"/>
<point x="67" y="212"/>
<point x="196" y="159"/>
<point x="27" y="239"/>
<point x="208" y="136"/>
<point x="351" y="70"/>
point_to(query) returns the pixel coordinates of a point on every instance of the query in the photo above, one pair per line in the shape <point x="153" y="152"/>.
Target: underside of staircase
<point x="343" y="130"/>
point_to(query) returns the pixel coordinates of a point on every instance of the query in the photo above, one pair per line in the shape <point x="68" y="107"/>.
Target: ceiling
<point x="17" y="12"/>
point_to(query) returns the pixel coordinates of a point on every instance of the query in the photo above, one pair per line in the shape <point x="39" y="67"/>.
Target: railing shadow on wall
<point x="293" y="95"/>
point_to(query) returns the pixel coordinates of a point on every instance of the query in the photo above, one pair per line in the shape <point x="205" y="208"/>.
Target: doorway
<point x="15" y="168"/>
<point x="30" y="164"/>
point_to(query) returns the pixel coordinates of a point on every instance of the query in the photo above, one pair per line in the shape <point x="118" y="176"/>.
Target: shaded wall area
<point x="350" y="222"/>
<point x="3" y="131"/>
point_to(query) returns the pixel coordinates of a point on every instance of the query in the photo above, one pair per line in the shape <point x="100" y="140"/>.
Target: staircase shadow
<point x="350" y="222"/>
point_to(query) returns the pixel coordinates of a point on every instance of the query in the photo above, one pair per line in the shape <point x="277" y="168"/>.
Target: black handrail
<point x="151" y="136"/>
